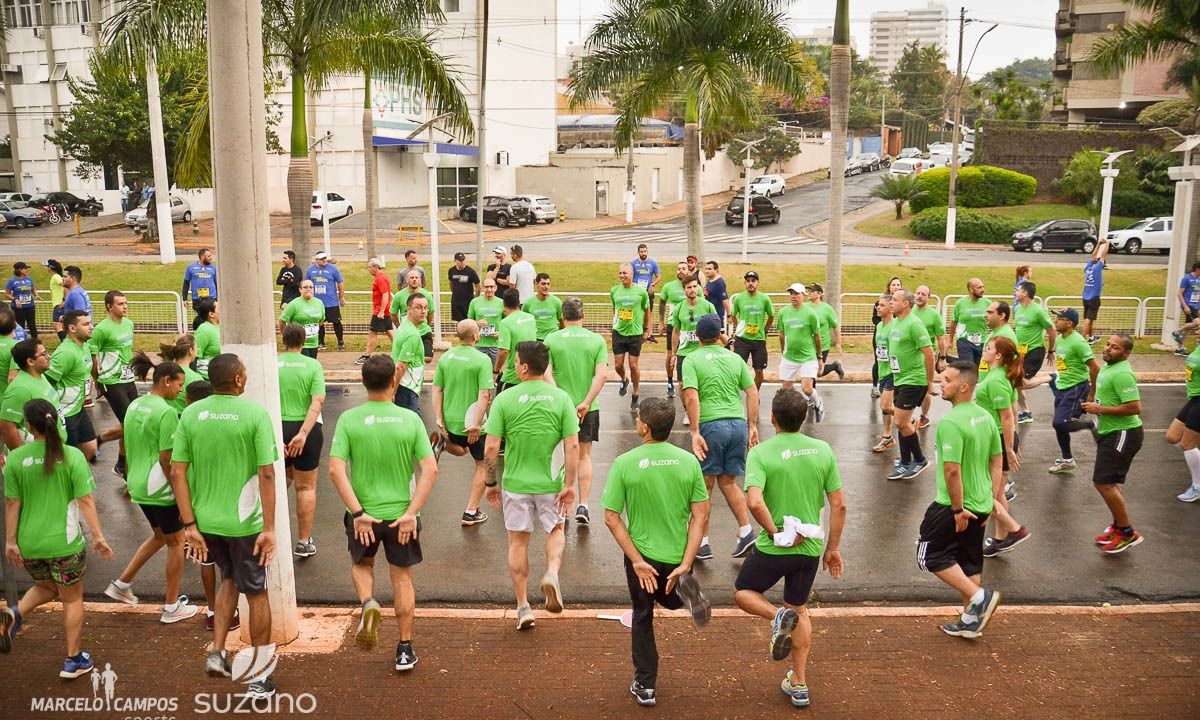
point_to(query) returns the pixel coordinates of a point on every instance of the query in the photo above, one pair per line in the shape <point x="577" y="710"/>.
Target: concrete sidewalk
<point x="1033" y="662"/>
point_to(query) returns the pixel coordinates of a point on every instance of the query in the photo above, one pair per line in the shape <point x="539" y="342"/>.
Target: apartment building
<point x="892" y="31"/>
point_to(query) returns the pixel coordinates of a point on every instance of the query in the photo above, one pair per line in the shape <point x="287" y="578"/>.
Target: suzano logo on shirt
<point x="980" y="419"/>
<point x="790" y="453"/>
<point x="206" y="415"/>
<point x="648" y="463"/>
<point x="534" y="398"/>
<point x="382" y="419"/>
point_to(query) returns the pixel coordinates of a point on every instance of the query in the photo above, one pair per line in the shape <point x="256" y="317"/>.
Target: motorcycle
<point x="90" y="207"/>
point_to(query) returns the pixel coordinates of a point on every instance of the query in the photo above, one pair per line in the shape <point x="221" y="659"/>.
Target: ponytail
<point x="1010" y="360"/>
<point x="42" y="418"/>
<point x="177" y="349"/>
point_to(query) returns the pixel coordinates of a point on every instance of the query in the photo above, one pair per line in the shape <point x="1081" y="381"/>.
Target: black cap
<point x="20" y="265"/>
<point x="460" y="256"/>
<point x="749" y="275"/>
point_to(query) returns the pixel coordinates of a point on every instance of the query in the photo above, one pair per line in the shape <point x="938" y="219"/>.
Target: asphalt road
<point x="1058" y="564"/>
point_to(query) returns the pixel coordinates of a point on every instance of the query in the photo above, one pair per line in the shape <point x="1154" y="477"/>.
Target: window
<point x="1087" y="71"/>
<point x="1155" y="227"/>
<point x="456" y="185"/>
<point x="1098" y="22"/>
<point x="449" y="6"/>
<point x="20" y="13"/>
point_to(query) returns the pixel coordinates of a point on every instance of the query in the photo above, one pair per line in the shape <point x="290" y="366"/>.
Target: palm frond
<point x="166" y="26"/>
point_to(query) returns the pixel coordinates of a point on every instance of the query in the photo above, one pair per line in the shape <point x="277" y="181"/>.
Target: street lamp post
<point x="1109" y="173"/>
<point x="747" y="163"/>
<point x="952" y="205"/>
<point x="432" y="160"/>
<point x="324" y="199"/>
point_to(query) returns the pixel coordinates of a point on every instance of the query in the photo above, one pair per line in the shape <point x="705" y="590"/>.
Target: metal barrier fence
<point x="1117" y="314"/>
<point x="153" y="311"/>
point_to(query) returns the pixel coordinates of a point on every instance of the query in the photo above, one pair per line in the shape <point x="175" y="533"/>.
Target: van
<point x="907" y="166"/>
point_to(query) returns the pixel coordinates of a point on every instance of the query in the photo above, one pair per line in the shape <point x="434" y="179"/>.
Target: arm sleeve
<point x="495" y="418"/>
<point x="570" y="421"/>
<point x="265" y="450"/>
<point x="181" y="449"/>
<point x="614" y="488"/>
<point x="318" y="380"/>
<point x="833" y="478"/>
<point x="12" y="486"/>
<point x="166" y="430"/>
<point x="82" y="483"/>
<point x="187" y="280"/>
<point x="484" y="376"/>
<point x="340" y="448"/>
<point x="950" y="443"/>
<point x="1127" y="388"/>
<point x="699" y="489"/>
<point x="756" y="474"/>
<point x="689" y="373"/>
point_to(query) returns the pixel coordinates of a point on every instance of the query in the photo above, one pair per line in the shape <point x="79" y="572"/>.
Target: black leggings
<point x="874" y="365"/>
<point x="27" y="317"/>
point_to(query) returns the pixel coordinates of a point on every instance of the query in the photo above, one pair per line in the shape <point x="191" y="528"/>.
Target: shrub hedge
<point x="977" y="227"/>
<point x="1135" y="203"/>
<point x="978" y="186"/>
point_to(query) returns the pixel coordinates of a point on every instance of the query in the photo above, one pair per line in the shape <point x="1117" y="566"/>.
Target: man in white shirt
<point x="522" y="274"/>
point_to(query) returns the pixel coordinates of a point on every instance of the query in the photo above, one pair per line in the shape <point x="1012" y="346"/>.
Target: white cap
<point x="500" y="250"/>
<point x="796" y="288"/>
<point x="321" y="256"/>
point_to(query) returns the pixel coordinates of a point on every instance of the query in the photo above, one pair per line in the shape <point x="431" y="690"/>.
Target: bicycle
<point x="53" y="216"/>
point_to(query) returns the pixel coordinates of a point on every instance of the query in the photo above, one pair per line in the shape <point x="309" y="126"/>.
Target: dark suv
<point x="498" y="211"/>
<point x="1069" y="235"/>
<point x="762" y="209"/>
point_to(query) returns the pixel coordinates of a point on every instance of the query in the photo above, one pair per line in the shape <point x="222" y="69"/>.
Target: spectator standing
<point x="21" y="293"/>
<point x="715" y="291"/>
<point x="464" y="287"/>
<point x="289" y="278"/>
<point x="200" y="278"/>
<point x="327" y="287"/>
<point x="381" y="300"/>
<point x="522" y="274"/>
<point x="56" y="293"/>
<point x="410" y="265"/>
<point x="499" y="270"/>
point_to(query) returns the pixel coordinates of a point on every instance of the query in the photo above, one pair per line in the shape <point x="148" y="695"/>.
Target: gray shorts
<point x="522" y="512"/>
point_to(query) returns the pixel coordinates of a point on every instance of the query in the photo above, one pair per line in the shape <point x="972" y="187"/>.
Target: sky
<point x="1025" y="27"/>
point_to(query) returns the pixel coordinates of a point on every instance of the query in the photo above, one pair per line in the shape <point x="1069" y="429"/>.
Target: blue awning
<point x="442" y="148"/>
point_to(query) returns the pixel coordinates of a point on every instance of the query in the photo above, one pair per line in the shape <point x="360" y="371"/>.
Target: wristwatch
<point x="958" y="511"/>
<point x="490" y="483"/>
<point x="357" y="515"/>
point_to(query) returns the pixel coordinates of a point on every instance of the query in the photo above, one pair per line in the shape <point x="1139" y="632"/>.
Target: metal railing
<point x="1117" y="314"/>
<point x="152" y="311"/>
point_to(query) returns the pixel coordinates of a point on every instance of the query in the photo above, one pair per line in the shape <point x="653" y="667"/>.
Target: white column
<point x="1109" y="175"/>
<point x="1177" y="263"/>
<point x="239" y="156"/>
<point x="951" y="226"/>
<point x="747" y="163"/>
<point x="158" y="156"/>
<point x="431" y="161"/>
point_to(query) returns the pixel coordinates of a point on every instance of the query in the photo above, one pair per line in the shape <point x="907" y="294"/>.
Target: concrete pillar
<point x="1179" y="262"/>
<point x="158" y="155"/>
<point x="239" y="156"/>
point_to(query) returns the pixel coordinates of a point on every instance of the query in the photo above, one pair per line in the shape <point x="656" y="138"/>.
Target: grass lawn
<point x="886" y="225"/>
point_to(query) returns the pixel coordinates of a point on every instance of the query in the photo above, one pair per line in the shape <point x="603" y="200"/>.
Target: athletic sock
<point x="905" y="449"/>
<point x="917" y="455"/>
<point x="977" y="598"/>
<point x="1192" y="458"/>
<point x="122" y="585"/>
<point x="472" y="510"/>
<point x="1127" y="530"/>
<point x="172" y="607"/>
<point x="704" y="541"/>
<point x="744" y="530"/>
<point x="583" y="505"/>
<point x="968" y="618"/>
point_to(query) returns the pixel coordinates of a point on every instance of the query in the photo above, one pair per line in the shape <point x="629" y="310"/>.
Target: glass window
<point x="449" y="6"/>
<point x="456" y="186"/>
<point x="1155" y="227"/>
<point x="1099" y="22"/>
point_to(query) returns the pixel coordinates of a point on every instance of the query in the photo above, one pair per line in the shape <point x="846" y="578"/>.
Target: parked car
<point x="854" y="166"/>
<point x="540" y="208"/>
<point x="338" y="206"/>
<point x="1153" y="233"/>
<point x="762" y="209"/>
<point x="909" y="152"/>
<point x="497" y="210"/>
<point x="869" y="161"/>
<point x="11" y="197"/>
<point x="768" y="185"/>
<point x="908" y="166"/>
<point x="3" y="223"/>
<point x="181" y="211"/>
<point x="73" y="203"/>
<point x="1069" y="235"/>
<point x="20" y="215"/>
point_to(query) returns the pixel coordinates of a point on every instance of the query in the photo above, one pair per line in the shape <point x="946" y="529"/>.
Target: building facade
<point x="892" y="31"/>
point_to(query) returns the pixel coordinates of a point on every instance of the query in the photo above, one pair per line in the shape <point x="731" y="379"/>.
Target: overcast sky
<point x="1026" y="27"/>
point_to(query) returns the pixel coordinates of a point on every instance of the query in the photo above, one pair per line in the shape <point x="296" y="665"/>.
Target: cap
<point x="1069" y="314"/>
<point x="20" y="265"/>
<point x="708" y="327"/>
<point x="815" y="287"/>
<point x="460" y="256"/>
<point x="749" y="275"/>
<point x="321" y="256"/>
<point x="796" y="288"/>
<point x="500" y="250"/>
<point x="49" y="262"/>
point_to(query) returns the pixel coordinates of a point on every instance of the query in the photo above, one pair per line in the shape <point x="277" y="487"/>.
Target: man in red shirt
<point x="381" y="300"/>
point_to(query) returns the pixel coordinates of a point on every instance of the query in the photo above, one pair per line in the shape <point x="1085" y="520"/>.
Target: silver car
<point x="180" y="212"/>
<point x="19" y="216"/>
<point x="540" y="208"/>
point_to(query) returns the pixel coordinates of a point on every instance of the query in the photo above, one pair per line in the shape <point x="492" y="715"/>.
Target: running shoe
<point x="698" y="605"/>
<point x="1093" y="340"/>
<point x="875" y="392"/>
<point x="217" y="664"/>
<point x="652" y="339"/>
<point x="1182" y="351"/>
<point x="73" y="667"/>
<point x="475" y="518"/>
<point x="782" y="626"/>
<point x="116" y="593"/>
<point x="1121" y="542"/>
<point x="362" y="359"/>
<point x="836" y="365"/>
<point x="885" y="442"/>
<point x="524" y="617"/>
<point x="1106" y="537"/>
<point x="643" y="695"/>
<point x="818" y="411"/>
<point x="984" y="610"/>
<point x="705" y="552"/>
<point x="1024" y="418"/>
<point x="120" y="469"/>
<point x="8" y="628"/>
<point x="183" y="611"/>
<point x="798" y="692"/>
<point x="264" y="688"/>
<point x="368" y="625"/>
<point x="742" y="547"/>
<point x="581" y="515"/>
<point x="899" y="470"/>
<point x="1062" y="467"/>
<point x="1008" y="542"/>
<point x="670" y="389"/>
<point x="1178" y="336"/>
<point x="341" y="347"/>
<point x="210" y="620"/>
<point x="438" y="443"/>
<point x="915" y="468"/>
<point x="550" y="588"/>
<point x="405" y="657"/>
<point x="624" y="388"/>
<point x="687" y="419"/>
<point x="1192" y="494"/>
<point x="1010" y="491"/>
<point x="989" y="548"/>
<point x="633" y="404"/>
<point x="958" y="628"/>
<point x="923" y="422"/>
<point x="305" y="548"/>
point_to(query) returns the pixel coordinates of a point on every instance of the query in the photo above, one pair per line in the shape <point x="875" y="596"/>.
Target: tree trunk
<point x="900" y="210"/>
<point x="839" y="92"/>
<point x="300" y="177"/>
<point x="371" y="166"/>
<point x="165" y="232"/>
<point x="691" y="189"/>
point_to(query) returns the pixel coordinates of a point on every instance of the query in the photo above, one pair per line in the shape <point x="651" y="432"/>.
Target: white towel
<point x="793" y="528"/>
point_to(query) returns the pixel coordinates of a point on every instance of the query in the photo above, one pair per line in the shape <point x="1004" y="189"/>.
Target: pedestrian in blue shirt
<point x="715" y="291"/>
<point x="200" y="278"/>
<point x="1189" y="302"/>
<point x="76" y="297"/>
<point x="21" y="293"/>
<point x="1093" y="286"/>
<point x="327" y="287"/>
<point x="646" y="275"/>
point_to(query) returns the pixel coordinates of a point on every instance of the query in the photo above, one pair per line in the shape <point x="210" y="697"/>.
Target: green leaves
<point x="899" y="189"/>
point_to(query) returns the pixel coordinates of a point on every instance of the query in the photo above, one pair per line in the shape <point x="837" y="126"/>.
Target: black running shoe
<point x="698" y="605"/>
<point x="643" y="695"/>
<point x="406" y="658"/>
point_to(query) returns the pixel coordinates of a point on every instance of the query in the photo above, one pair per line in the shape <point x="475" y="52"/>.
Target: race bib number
<point x="687" y="337"/>
<point x="202" y="292"/>
<point x="202" y="367"/>
<point x="1023" y="349"/>
<point x="895" y="364"/>
<point x="126" y="374"/>
<point x="24" y="298"/>
<point x="983" y="366"/>
<point x="752" y="329"/>
<point x="320" y="288"/>
<point x="625" y="314"/>
<point x="1060" y="364"/>
<point x="644" y="283"/>
<point x="881" y="354"/>
<point x="488" y="331"/>
<point x="1187" y="374"/>
<point x="975" y="338"/>
<point x="311" y="330"/>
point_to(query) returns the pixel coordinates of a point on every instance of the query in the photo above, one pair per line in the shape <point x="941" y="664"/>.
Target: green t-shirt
<point x="574" y="354"/>
<point x="6" y="360"/>
<point x="49" y="523"/>
<point x="383" y="444"/>
<point x="532" y="418"/>
<point x="907" y="340"/>
<point x="516" y="327"/>
<point x="655" y="485"/>
<point x="1117" y="385"/>
<point x="400" y="307"/>
<point x="752" y="313"/>
<point x="189" y="376"/>
<point x="967" y="435"/>
<point x="112" y="344"/>
<point x="931" y="319"/>
<point x="799" y="325"/>
<point x="1192" y="373"/>
<point x="827" y="321"/>
<point x="995" y="393"/>
<point x="795" y="473"/>
<point x="408" y="348"/>
<point x="150" y="424"/>
<point x="1031" y="322"/>
<point x="69" y="372"/>
<point x="301" y="378"/>
<point x="672" y="294"/>
<point x="882" y="358"/>
<point x="491" y="311"/>
<point x="23" y="388"/>
<point x="1073" y="356"/>
<point x="718" y="376"/>
<point x="546" y="312"/>
<point x="461" y="372"/>
<point x="629" y="309"/>
<point x="225" y="439"/>
<point x="208" y="346"/>
<point x="684" y="321"/>
<point x="309" y="314"/>
<point x="1002" y="331"/>
<point x="971" y="316"/>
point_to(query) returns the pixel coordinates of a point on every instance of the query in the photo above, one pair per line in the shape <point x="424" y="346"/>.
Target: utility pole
<point x="952" y="208"/>
<point x="158" y="157"/>
<point x="481" y="42"/>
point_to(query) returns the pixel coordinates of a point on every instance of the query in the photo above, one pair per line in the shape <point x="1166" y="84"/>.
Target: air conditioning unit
<point x="10" y="68"/>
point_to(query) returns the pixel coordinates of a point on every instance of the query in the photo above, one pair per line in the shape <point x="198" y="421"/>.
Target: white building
<point x="892" y="31"/>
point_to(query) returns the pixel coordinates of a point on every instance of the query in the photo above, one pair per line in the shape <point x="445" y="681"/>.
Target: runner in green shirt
<point x="631" y="326"/>
<point x="672" y="295"/>
<point x="112" y="357"/>
<point x="487" y="310"/>
<point x="462" y="385"/>
<point x="182" y="352"/>
<point x="883" y="364"/>
<point x="301" y="398"/>
<point x="997" y="326"/>
<point x="223" y="476"/>
<point x="788" y="479"/>
<point x="70" y="373"/>
<point x="932" y="320"/>
<point x="208" y="334"/>
<point x="800" y="342"/>
<point x="968" y="322"/>
<point x="408" y="353"/>
<point x="545" y="308"/>
<point x="910" y="351"/>
<point x="8" y="326"/>
<point x="29" y="383"/>
<point x="516" y="327"/>
<point x="997" y="394"/>
<point x="383" y="469"/>
<point x="1074" y="383"/>
<point x="831" y="332"/>
<point x="754" y="315"/>
<point x="661" y="491"/>
<point x="400" y="301"/>
<point x="47" y="488"/>
<point x="531" y="419"/>
<point x="683" y="324"/>
<point x="968" y="477"/>
<point x="308" y="312"/>
<point x="1117" y="405"/>
<point x="1184" y="430"/>
<point x="1031" y="324"/>
<point x="713" y="381"/>
<point x="579" y="365"/>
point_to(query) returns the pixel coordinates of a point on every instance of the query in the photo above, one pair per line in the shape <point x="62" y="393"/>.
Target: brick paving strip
<point x="867" y="662"/>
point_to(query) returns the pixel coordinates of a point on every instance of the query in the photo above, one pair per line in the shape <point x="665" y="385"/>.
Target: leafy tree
<point x="923" y="81"/>
<point x="1081" y="181"/>
<point x="1032" y="71"/>
<point x="1169" y="113"/>
<point x="899" y="189"/>
<point x="778" y="147"/>
<point x="1152" y="174"/>
<point x="1003" y="95"/>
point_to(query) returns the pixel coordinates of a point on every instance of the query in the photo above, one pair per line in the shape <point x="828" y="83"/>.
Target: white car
<point x="540" y="208"/>
<point x="1153" y="233"/>
<point x="339" y="207"/>
<point x="908" y="166"/>
<point x="768" y="185"/>
<point x="180" y="212"/>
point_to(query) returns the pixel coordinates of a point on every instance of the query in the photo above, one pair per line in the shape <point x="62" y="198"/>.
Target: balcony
<point x="1064" y="23"/>
<point x="1062" y="63"/>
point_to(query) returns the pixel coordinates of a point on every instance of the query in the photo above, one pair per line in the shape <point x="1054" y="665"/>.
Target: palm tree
<point x="704" y="53"/>
<point x="899" y="189"/>
<point x="839" y="115"/>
